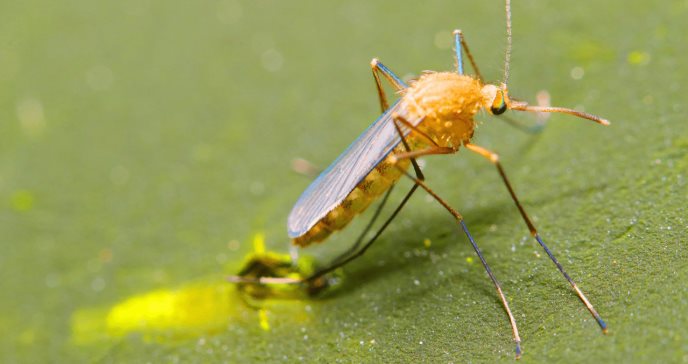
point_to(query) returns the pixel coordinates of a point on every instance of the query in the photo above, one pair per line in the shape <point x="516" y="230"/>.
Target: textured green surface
<point x="141" y="140"/>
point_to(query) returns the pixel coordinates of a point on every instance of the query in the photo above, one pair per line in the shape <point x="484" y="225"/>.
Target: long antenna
<point x="507" y="55"/>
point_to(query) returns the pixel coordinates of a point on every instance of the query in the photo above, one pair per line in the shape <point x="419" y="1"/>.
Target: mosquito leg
<point x="377" y="68"/>
<point x="433" y="149"/>
<point x="398" y="119"/>
<point x="494" y="158"/>
<point x="393" y="79"/>
<point x="459" y="44"/>
<point x="459" y="220"/>
<point x="424" y="152"/>
<point x="340" y="263"/>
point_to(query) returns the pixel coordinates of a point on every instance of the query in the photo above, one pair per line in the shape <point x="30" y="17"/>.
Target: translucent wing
<point x="341" y="177"/>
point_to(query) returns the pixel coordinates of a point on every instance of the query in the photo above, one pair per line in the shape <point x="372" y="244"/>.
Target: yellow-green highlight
<point x="188" y="311"/>
<point x="199" y="308"/>
<point x="22" y="200"/>
<point x="264" y="263"/>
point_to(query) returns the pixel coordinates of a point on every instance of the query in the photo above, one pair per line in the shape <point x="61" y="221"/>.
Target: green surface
<point x="144" y="143"/>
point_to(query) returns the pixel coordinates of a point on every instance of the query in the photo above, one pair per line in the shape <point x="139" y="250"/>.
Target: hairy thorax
<point x="449" y="102"/>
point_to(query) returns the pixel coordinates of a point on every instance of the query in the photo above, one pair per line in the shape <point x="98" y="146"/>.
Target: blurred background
<point x="146" y="146"/>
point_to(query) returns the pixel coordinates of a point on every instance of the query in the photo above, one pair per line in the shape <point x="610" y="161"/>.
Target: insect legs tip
<point x="457" y="31"/>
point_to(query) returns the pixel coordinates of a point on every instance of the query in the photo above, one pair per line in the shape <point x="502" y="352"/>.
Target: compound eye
<point x="499" y="104"/>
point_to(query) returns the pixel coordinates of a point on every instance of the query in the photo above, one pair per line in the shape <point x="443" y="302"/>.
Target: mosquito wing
<point x="335" y="183"/>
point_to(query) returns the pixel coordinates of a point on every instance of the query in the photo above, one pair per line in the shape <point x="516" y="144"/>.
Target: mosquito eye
<point x="499" y="104"/>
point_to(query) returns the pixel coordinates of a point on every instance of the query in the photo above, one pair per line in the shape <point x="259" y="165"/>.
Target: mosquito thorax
<point x="449" y="102"/>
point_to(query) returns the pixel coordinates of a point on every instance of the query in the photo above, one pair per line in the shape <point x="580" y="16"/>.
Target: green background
<point x="144" y="143"/>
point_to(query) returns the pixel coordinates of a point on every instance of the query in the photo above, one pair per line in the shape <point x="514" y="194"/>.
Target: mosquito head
<point x="496" y="98"/>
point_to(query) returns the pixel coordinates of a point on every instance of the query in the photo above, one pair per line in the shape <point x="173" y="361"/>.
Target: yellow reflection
<point x="202" y="308"/>
<point x="264" y="322"/>
<point x="188" y="311"/>
<point x="195" y="307"/>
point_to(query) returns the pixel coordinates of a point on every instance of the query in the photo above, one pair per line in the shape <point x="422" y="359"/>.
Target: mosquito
<point x="434" y="115"/>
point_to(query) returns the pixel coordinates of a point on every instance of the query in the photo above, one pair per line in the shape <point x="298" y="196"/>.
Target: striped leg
<point x="396" y="82"/>
<point x="494" y="158"/>
<point x="500" y="292"/>
<point x="459" y="45"/>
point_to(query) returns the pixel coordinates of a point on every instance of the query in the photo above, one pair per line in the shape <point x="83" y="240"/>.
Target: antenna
<point x="507" y="54"/>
